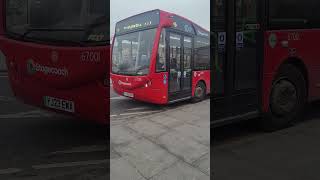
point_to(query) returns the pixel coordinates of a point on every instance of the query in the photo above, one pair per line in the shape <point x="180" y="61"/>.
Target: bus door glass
<point x="175" y="54"/>
<point x="180" y="72"/>
<point x="246" y="44"/>
<point x="236" y="46"/>
<point x="187" y="59"/>
<point x="246" y="57"/>
<point x="219" y="49"/>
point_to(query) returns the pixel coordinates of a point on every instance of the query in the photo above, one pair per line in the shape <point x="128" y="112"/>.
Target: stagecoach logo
<point x="273" y="40"/>
<point x="54" y="56"/>
<point x="33" y="67"/>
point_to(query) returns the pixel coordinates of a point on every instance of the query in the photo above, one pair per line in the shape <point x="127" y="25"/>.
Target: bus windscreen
<point x="60" y="20"/>
<point x="132" y="52"/>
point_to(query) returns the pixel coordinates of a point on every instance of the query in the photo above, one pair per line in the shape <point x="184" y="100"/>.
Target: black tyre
<point x="287" y="99"/>
<point x="199" y="92"/>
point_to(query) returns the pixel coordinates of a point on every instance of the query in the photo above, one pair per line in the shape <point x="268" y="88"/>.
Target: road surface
<point x="40" y="145"/>
<point x="242" y="151"/>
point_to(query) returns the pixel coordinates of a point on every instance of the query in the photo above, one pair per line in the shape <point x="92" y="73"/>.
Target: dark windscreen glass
<point x="131" y="53"/>
<point x="58" y="20"/>
<point x="294" y="14"/>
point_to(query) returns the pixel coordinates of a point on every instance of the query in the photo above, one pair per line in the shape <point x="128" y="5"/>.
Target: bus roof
<point x="152" y="19"/>
<point x="171" y="14"/>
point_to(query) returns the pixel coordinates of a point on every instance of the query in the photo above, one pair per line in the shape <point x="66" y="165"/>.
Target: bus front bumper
<point x="91" y="102"/>
<point x="150" y="95"/>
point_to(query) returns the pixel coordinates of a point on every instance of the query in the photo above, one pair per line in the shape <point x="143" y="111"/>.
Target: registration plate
<point x="59" y="104"/>
<point x="128" y="94"/>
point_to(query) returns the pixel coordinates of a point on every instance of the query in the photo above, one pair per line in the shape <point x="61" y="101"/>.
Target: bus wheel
<point x="287" y="99"/>
<point x="199" y="92"/>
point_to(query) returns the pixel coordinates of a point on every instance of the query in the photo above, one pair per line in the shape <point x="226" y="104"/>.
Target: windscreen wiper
<point x="30" y="30"/>
<point x="142" y="68"/>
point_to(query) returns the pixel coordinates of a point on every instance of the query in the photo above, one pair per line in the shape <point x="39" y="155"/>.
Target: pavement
<point x="243" y="152"/>
<point x="40" y="145"/>
<point x="172" y="144"/>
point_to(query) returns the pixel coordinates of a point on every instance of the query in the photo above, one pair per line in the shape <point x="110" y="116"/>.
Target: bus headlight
<point x="148" y="84"/>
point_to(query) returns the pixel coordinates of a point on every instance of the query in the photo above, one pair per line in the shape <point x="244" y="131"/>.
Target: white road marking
<point x="113" y="115"/>
<point x="137" y="113"/>
<point x="28" y="114"/>
<point x="83" y="149"/>
<point x="70" y="164"/>
<point x="137" y="108"/>
<point x="7" y="99"/>
<point x="119" y="98"/>
<point x="9" y="171"/>
<point x="55" y="165"/>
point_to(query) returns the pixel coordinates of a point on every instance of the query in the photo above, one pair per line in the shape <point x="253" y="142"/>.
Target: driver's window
<point x="161" y="56"/>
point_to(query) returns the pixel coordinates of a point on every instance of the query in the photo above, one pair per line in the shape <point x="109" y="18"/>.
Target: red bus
<point x="160" y="57"/>
<point x="57" y="53"/>
<point x="266" y="60"/>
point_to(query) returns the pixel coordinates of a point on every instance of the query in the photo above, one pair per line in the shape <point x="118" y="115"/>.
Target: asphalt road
<point x="41" y="145"/>
<point x="242" y="151"/>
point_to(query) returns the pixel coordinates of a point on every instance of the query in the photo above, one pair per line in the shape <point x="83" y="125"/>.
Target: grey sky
<point x="196" y="10"/>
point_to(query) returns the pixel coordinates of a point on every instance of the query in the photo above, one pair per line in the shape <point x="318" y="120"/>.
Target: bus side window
<point x="161" y="56"/>
<point x="202" y="54"/>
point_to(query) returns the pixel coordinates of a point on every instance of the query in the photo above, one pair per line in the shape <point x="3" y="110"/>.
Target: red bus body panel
<point x="157" y="92"/>
<point x="299" y="45"/>
<point x="83" y="83"/>
<point x="203" y="76"/>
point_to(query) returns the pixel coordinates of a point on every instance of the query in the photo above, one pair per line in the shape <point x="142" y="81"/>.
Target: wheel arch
<point x="204" y="82"/>
<point x="299" y="64"/>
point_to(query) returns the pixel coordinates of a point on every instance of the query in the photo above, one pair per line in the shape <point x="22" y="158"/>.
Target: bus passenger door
<point x="186" y="69"/>
<point x="180" y="72"/>
<point x="237" y="45"/>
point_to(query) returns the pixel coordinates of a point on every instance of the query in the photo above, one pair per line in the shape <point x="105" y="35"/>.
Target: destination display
<point x="182" y="24"/>
<point x="140" y="21"/>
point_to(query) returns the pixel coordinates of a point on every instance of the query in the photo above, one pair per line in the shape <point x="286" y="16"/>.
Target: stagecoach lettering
<point x="89" y="56"/>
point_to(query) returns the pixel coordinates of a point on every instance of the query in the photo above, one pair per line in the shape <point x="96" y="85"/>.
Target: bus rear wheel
<point x="287" y="99"/>
<point x="199" y="92"/>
